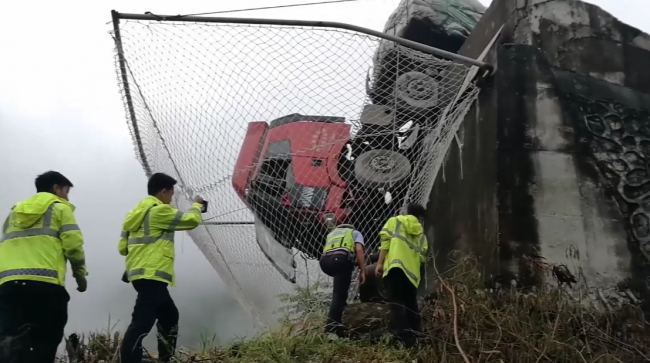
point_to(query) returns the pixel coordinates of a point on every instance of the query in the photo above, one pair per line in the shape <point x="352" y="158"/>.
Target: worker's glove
<point x="125" y="278"/>
<point x="82" y="284"/>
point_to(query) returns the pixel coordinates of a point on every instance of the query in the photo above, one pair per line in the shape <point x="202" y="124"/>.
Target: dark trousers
<point x="340" y="267"/>
<point x="404" y="312"/>
<point x="33" y="315"/>
<point x="153" y="303"/>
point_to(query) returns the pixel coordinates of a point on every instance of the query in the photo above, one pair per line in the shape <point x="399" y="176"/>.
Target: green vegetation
<point x="464" y="324"/>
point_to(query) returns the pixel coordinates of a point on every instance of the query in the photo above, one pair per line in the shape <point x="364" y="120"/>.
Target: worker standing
<point x="343" y="248"/>
<point x="38" y="236"/>
<point x="403" y="248"/>
<point x="147" y="241"/>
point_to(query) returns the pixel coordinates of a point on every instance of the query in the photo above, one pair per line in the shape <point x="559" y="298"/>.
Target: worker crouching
<point x="147" y="241"/>
<point x="403" y="249"/>
<point x="344" y="248"/>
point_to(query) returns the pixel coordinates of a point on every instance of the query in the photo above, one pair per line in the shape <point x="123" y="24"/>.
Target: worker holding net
<point x="147" y="241"/>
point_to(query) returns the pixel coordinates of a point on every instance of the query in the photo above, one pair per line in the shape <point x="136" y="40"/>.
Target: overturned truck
<point x="301" y="175"/>
<point x="402" y="82"/>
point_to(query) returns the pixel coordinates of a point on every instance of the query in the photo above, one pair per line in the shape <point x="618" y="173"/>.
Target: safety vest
<point x="38" y="236"/>
<point x="147" y="238"/>
<point x="340" y="237"/>
<point x="406" y="243"/>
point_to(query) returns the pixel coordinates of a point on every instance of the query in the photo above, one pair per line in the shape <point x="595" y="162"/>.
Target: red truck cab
<point x="287" y="173"/>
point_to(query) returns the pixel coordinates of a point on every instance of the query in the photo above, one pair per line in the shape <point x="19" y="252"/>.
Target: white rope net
<point x="286" y="131"/>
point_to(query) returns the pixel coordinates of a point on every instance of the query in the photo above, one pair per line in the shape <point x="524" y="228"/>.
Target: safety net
<point x="287" y="131"/>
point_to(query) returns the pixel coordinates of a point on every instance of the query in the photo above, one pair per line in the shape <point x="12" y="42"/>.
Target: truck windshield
<point x="273" y="171"/>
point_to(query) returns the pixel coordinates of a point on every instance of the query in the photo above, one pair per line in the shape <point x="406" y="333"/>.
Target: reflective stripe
<point x="169" y="236"/>
<point x="69" y="228"/>
<point x="148" y="238"/>
<point x="135" y="272"/>
<point x="45" y="230"/>
<point x="349" y="226"/>
<point x="175" y="221"/>
<point x="396" y="234"/>
<point x="140" y="271"/>
<point x="163" y="275"/>
<point x="337" y="232"/>
<point x="29" y="272"/>
<point x="336" y="239"/>
<point x="146" y="222"/>
<point x="31" y="233"/>
<point x="406" y="270"/>
<point x="124" y="234"/>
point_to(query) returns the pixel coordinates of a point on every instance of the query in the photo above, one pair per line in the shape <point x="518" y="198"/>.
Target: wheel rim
<point x="382" y="164"/>
<point x="417" y="89"/>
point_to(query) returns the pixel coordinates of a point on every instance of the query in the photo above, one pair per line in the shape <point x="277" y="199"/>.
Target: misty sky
<point x="60" y="109"/>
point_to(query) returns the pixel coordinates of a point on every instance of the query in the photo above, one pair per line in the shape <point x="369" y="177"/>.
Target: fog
<point x="60" y="110"/>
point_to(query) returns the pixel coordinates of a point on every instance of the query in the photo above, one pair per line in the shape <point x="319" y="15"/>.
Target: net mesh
<point x="286" y="131"/>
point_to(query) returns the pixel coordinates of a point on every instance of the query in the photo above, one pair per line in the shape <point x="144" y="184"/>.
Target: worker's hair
<point x="45" y="182"/>
<point x="158" y="182"/>
<point x="416" y="210"/>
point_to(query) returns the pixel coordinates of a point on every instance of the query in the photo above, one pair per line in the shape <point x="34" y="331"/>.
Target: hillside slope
<point x="465" y="322"/>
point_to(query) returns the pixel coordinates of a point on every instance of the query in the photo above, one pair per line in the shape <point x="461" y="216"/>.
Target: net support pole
<point x="127" y="92"/>
<point x="314" y="24"/>
<point x="227" y="223"/>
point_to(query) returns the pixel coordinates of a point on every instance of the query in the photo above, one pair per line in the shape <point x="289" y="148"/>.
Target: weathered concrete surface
<point x="555" y="159"/>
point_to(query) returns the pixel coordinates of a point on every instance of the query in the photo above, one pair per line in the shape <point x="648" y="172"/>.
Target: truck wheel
<point x="373" y="290"/>
<point x="381" y="168"/>
<point x="417" y="90"/>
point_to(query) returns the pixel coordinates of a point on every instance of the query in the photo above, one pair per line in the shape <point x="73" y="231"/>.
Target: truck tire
<point x="417" y="90"/>
<point x="373" y="290"/>
<point x="381" y="168"/>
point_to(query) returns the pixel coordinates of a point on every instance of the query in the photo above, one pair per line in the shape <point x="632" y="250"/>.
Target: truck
<point x="413" y="84"/>
<point x="302" y="175"/>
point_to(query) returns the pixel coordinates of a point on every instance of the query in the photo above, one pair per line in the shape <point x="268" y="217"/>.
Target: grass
<point x="464" y="323"/>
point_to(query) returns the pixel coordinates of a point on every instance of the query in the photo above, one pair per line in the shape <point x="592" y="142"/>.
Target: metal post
<point x="227" y="223"/>
<point x="127" y="91"/>
<point x="315" y="24"/>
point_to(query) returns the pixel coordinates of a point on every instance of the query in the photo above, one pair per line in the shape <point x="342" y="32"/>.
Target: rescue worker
<point x="38" y="236"/>
<point x="344" y="248"/>
<point x="403" y="247"/>
<point x="147" y="241"/>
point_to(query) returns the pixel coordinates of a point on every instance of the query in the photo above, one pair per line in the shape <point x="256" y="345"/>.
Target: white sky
<point x="60" y="109"/>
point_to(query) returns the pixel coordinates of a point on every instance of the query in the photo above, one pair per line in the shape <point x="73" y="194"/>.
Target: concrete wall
<point x="555" y="160"/>
<point x="462" y="203"/>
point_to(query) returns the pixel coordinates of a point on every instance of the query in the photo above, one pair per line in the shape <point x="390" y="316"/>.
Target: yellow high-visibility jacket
<point x="404" y="239"/>
<point x="38" y="236"/>
<point x="340" y="237"/>
<point x="147" y="238"/>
